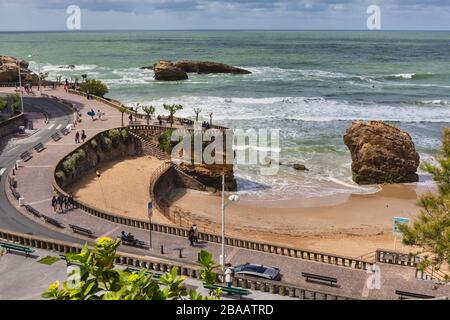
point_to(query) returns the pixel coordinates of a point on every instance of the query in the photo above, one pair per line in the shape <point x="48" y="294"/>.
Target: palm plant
<point x="172" y="108"/>
<point x="197" y="111"/>
<point x="149" y="110"/>
<point x="122" y="109"/>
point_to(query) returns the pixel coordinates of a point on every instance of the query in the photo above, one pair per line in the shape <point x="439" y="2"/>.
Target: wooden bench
<point x="39" y="147"/>
<point x="56" y="136"/>
<point x="16" y="247"/>
<point x="33" y="211"/>
<point x="148" y="273"/>
<point x="81" y="230"/>
<point x="14" y="192"/>
<point x="52" y="221"/>
<point x="65" y="131"/>
<point x="318" y="277"/>
<point x="407" y="294"/>
<point x="26" y="156"/>
<point x="232" y="290"/>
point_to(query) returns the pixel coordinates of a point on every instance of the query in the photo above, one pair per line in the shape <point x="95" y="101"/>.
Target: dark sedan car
<point x="258" y="270"/>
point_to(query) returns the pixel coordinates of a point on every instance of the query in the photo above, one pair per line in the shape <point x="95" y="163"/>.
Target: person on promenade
<point x="195" y="233"/>
<point x="61" y="203"/>
<point x="229" y="274"/>
<point x="77" y="137"/>
<point x="159" y="120"/>
<point x="130" y="117"/>
<point x="99" y="114"/>
<point x="83" y="136"/>
<point x="66" y="203"/>
<point x="55" y="203"/>
<point x="191" y="236"/>
<point x="71" y="201"/>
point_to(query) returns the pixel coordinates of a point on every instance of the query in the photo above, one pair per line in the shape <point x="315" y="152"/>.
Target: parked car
<point x="258" y="270"/>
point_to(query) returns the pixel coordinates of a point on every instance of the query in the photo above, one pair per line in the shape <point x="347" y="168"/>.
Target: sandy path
<point x="125" y="186"/>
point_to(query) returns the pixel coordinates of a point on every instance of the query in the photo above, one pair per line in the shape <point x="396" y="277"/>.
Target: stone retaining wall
<point x="11" y="125"/>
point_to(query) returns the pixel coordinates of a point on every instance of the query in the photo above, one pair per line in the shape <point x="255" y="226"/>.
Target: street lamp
<point x="232" y="198"/>
<point x="20" y="88"/>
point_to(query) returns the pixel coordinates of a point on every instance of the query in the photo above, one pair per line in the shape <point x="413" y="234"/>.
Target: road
<point x="10" y="218"/>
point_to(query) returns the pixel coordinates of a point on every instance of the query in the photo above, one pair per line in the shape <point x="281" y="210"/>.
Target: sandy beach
<point x="351" y="225"/>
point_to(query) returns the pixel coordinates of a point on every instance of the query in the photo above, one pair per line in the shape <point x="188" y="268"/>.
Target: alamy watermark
<point x="374" y="20"/>
<point x="374" y="280"/>
<point x="73" y="22"/>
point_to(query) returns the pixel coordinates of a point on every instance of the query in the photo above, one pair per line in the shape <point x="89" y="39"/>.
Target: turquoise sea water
<point x="308" y="84"/>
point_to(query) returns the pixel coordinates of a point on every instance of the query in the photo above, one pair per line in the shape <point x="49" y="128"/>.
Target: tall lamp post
<point x="232" y="198"/>
<point x="150" y="213"/>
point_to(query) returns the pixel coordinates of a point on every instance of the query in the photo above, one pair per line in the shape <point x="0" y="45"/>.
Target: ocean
<point x="308" y="84"/>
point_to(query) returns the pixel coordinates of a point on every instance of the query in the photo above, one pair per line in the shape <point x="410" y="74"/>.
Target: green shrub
<point x="94" y="144"/>
<point x="60" y="176"/>
<point x="115" y="137"/>
<point x="95" y="87"/>
<point x="106" y="143"/>
<point x="125" y="136"/>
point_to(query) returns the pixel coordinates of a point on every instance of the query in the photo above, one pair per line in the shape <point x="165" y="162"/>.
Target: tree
<point x="172" y="108"/>
<point x="122" y="109"/>
<point x="95" y="87"/>
<point x="97" y="279"/>
<point x="431" y="230"/>
<point x="84" y="76"/>
<point x="149" y="110"/>
<point x="210" y="118"/>
<point x="58" y="79"/>
<point x="197" y="111"/>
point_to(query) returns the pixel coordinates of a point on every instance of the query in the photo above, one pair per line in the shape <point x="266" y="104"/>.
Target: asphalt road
<point x="10" y="218"/>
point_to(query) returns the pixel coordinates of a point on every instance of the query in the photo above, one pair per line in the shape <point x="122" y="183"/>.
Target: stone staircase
<point x="151" y="148"/>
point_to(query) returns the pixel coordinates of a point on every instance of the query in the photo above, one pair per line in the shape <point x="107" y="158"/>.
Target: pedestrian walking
<point x="195" y="233"/>
<point x="130" y="117"/>
<point x="159" y="120"/>
<point x="66" y="203"/>
<point x="83" y="136"/>
<point x="77" y="137"/>
<point x="71" y="201"/>
<point x="55" y="203"/>
<point x="191" y="236"/>
<point x="61" y="203"/>
<point x="229" y="274"/>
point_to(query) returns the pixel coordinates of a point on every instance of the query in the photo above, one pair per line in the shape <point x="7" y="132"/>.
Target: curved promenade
<point x="35" y="185"/>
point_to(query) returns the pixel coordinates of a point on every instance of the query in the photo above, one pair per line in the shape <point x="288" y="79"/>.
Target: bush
<point x="60" y="176"/>
<point x="115" y="136"/>
<point x="106" y="143"/>
<point x="125" y="136"/>
<point x="70" y="163"/>
<point x="94" y="144"/>
<point x="95" y="87"/>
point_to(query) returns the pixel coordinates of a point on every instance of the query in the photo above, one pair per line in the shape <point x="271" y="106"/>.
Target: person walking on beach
<point x="229" y="274"/>
<point x="77" y="137"/>
<point x="55" y="203"/>
<point x="83" y="136"/>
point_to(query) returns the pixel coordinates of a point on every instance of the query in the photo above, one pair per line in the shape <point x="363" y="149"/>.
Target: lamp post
<point x="232" y="198"/>
<point x="150" y="213"/>
<point x="20" y="88"/>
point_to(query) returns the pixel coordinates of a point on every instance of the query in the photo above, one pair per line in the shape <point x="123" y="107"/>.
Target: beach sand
<point x="123" y="188"/>
<point x="351" y="225"/>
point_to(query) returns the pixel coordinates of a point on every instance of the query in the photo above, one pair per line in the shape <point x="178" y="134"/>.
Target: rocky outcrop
<point x="167" y="71"/>
<point x="211" y="175"/>
<point x="205" y="67"/>
<point x="9" y="70"/>
<point x="381" y="153"/>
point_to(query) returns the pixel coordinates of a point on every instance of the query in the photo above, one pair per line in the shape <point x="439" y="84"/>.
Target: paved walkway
<point x="38" y="172"/>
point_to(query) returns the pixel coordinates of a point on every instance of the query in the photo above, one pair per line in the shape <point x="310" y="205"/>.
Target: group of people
<point x="78" y="136"/>
<point x="62" y="203"/>
<point x="206" y="125"/>
<point x="95" y="115"/>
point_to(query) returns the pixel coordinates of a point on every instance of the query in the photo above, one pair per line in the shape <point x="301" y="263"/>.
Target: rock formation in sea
<point x="205" y="67"/>
<point x="166" y="71"/>
<point x="381" y="153"/>
<point x="211" y="175"/>
<point x="9" y="70"/>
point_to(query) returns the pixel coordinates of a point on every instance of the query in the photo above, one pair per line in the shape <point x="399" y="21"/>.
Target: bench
<point x="26" y="156"/>
<point x="39" y="147"/>
<point x="52" y="221"/>
<point x="237" y="291"/>
<point x="404" y="294"/>
<point x="81" y="230"/>
<point x="148" y="273"/>
<point x="33" y="211"/>
<point x="14" y="193"/>
<point x="16" y="247"/>
<point x="318" y="277"/>
<point x="56" y="137"/>
<point x="65" y="131"/>
<point x="133" y="243"/>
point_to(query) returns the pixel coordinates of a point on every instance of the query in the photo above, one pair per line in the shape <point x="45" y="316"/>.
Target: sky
<point x="51" y="15"/>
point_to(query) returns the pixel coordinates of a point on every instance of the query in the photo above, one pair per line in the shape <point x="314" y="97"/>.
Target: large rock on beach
<point x="211" y="175"/>
<point x="167" y="71"/>
<point x="9" y="70"/>
<point x="205" y="67"/>
<point x="381" y="153"/>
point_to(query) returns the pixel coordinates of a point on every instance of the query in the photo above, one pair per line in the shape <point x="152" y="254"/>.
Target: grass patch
<point x="49" y="260"/>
